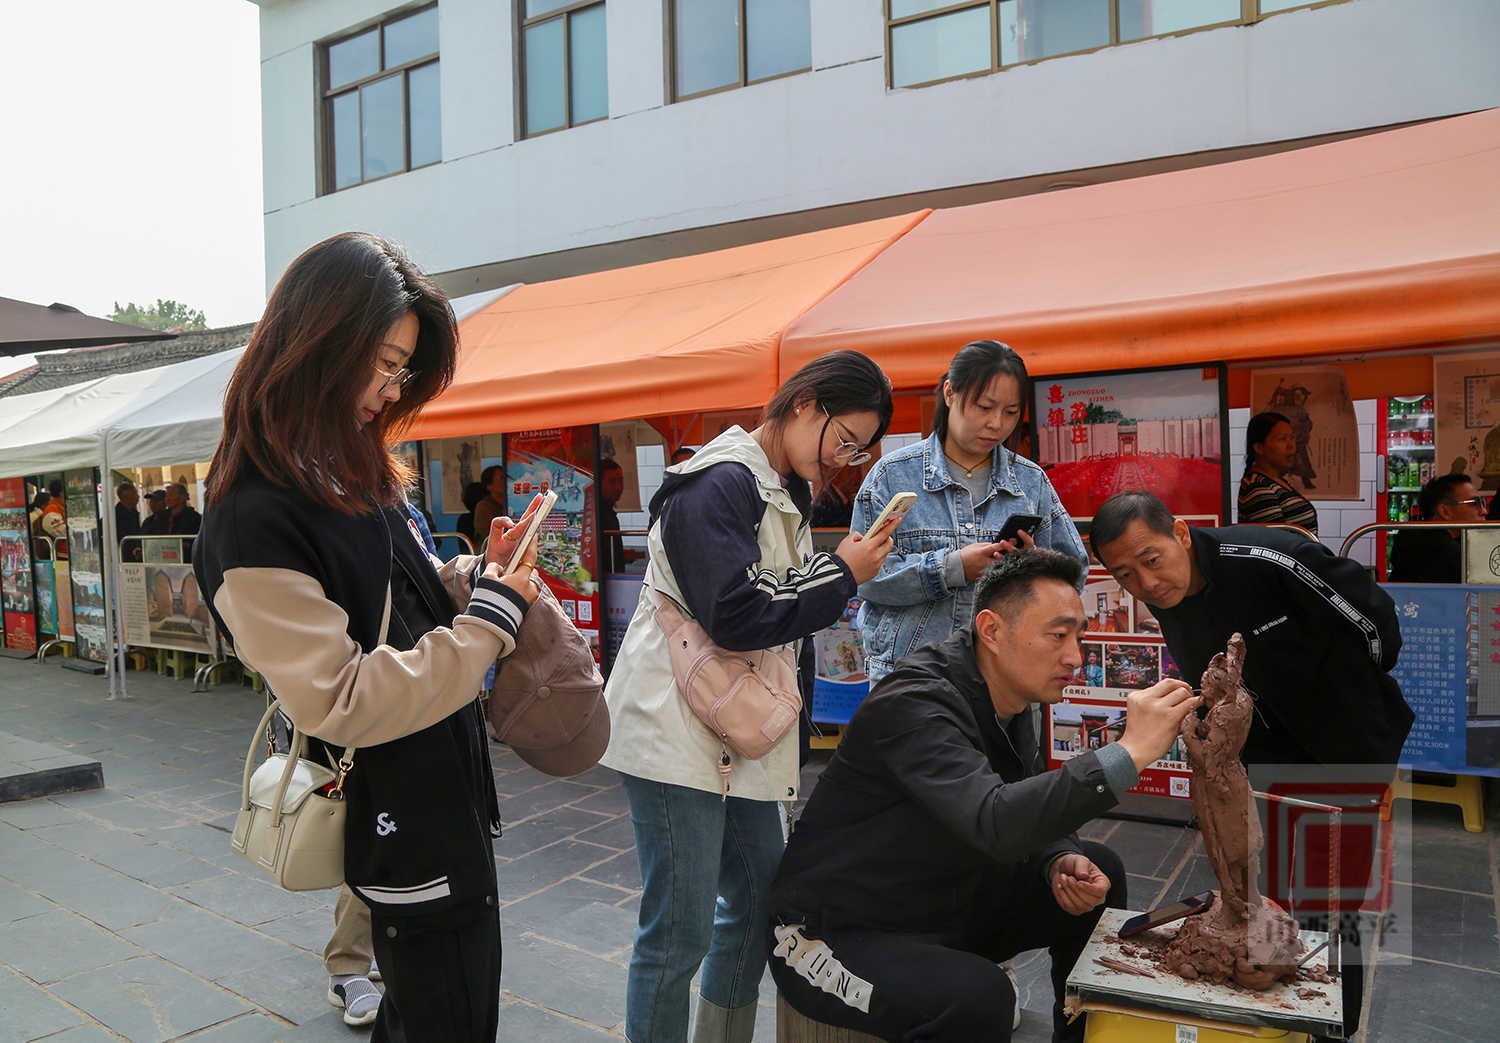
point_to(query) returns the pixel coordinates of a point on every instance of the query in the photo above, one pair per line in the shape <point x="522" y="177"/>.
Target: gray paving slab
<point x="306" y="930"/>
<point x="28" y="814"/>
<point x="207" y="945"/>
<point x="543" y="798"/>
<point x="294" y="987"/>
<point x="521" y="1021"/>
<point x="547" y="828"/>
<point x="617" y="832"/>
<point x="594" y="927"/>
<point x="562" y="979"/>
<point x="17" y="903"/>
<point x="30" y="1012"/>
<point x="59" y="944"/>
<point x="247" y="1028"/>
<point x="148" y="999"/>
<point x="623" y="870"/>
<point x="539" y="869"/>
<point x="235" y="896"/>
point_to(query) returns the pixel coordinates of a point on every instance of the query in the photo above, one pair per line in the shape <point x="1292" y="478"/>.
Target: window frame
<point x="670" y="8"/>
<point x="1249" y="14"/>
<point x="328" y="95"/>
<point x="565" y="12"/>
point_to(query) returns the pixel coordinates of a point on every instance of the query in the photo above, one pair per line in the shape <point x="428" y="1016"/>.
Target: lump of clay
<point x="1245" y="938"/>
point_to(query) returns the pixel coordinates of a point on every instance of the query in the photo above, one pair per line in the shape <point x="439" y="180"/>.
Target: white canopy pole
<point x="109" y="555"/>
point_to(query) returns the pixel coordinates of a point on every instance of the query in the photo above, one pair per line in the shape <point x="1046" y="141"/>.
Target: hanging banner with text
<point x="1123" y="651"/>
<point x="1449" y="671"/>
<point x="561" y="459"/>
<point x="1156" y="430"/>
<point x="17" y="600"/>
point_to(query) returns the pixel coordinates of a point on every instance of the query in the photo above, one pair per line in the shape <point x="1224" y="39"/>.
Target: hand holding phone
<point x="1189" y="906"/>
<point x="1017" y="524"/>
<point x="897" y="508"/>
<point x="530" y="524"/>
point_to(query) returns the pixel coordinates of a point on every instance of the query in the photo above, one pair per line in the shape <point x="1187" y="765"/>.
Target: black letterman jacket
<point x="300" y="590"/>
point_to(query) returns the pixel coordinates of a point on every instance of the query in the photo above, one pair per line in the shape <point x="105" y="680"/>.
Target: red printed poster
<point x="561" y="459"/>
<point x="1156" y="430"/>
<point x="1123" y="651"/>
<point x="17" y="596"/>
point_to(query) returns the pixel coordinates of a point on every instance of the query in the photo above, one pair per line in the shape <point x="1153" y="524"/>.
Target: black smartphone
<point x="1166" y="914"/>
<point x="1017" y="524"/>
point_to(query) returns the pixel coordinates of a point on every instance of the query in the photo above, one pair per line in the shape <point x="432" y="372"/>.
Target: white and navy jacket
<point x="732" y="543"/>
<point x="300" y="589"/>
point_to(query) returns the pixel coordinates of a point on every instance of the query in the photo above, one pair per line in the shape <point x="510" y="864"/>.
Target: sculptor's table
<point x="1140" y="1002"/>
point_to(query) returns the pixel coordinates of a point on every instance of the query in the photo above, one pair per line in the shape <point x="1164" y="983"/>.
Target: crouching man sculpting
<point x="936" y="845"/>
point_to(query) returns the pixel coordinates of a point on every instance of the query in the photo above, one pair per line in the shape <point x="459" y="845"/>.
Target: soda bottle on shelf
<point x="1428" y="405"/>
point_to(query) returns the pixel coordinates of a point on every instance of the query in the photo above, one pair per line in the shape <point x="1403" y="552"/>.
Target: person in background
<point x="1432" y="555"/>
<point x="54" y="513"/>
<point x="492" y="504"/>
<point x="35" y="511"/>
<point x="967" y="485"/>
<point x="128" y="519"/>
<point x="321" y="581"/>
<point x="611" y="488"/>
<point x="681" y="453"/>
<point x="729" y="540"/>
<point x="1494" y="512"/>
<point x="181" y="519"/>
<point x="473" y="493"/>
<point x="156" y="513"/>
<point x="1265" y="495"/>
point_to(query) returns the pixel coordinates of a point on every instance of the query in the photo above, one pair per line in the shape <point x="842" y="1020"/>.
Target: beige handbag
<point x="287" y="824"/>
<point x="750" y="700"/>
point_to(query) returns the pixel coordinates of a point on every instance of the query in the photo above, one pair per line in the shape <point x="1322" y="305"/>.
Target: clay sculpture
<point x="1244" y="938"/>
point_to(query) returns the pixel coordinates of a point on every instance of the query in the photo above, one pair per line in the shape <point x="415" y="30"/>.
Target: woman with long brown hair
<point x="311" y="566"/>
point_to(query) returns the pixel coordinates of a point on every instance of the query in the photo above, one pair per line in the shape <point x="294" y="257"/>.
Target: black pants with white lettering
<point x="934" y="988"/>
<point x="442" y="976"/>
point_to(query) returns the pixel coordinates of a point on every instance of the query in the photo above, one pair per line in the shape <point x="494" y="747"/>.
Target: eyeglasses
<point x="1480" y="502"/>
<point x="851" y="454"/>
<point x="398" y="379"/>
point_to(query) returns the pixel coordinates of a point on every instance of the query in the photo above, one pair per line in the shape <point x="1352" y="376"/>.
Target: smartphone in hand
<point x="536" y="513"/>
<point x="1017" y="524"/>
<point x="897" y="508"/>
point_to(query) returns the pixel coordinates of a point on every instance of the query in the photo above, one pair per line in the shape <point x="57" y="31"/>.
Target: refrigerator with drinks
<point x="1404" y="439"/>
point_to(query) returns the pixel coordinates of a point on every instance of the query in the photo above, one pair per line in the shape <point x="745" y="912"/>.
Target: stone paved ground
<point x="123" y="913"/>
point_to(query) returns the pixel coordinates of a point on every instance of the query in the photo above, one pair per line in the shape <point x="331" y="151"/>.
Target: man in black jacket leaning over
<point x="936" y="845"/>
<point x="1320" y="640"/>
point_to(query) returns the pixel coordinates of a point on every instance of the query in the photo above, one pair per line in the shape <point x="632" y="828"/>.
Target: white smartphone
<point x="536" y="513"/>
<point x="897" y="508"/>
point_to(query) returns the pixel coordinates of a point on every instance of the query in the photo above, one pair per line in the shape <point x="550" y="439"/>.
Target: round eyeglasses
<point x="850" y="454"/>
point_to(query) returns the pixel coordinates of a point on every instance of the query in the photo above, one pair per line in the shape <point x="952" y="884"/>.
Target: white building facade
<point x="519" y="140"/>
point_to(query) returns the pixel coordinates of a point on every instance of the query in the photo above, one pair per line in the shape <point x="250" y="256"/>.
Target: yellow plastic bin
<point x="1114" y="1026"/>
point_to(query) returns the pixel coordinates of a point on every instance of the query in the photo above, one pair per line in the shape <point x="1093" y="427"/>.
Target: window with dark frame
<point x="931" y="41"/>
<point x="722" y="44"/>
<point x="564" y="67"/>
<point x="382" y="103"/>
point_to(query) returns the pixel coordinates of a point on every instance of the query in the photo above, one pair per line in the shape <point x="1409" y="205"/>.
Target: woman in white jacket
<point x="730" y="540"/>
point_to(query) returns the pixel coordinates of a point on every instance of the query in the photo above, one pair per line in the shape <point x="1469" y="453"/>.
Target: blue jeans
<point x="706" y="871"/>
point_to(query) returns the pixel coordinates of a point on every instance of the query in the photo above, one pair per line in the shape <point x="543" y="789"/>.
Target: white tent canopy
<point x="170" y="413"/>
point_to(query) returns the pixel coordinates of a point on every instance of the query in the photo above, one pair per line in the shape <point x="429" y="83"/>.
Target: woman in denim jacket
<point x="967" y="485"/>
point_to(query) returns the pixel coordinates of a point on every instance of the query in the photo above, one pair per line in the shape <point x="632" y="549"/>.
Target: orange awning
<point x="683" y="335"/>
<point x="1384" y="241"/>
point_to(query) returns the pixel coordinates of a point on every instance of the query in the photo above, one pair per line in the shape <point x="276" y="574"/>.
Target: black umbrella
<point x="27" y="328"/>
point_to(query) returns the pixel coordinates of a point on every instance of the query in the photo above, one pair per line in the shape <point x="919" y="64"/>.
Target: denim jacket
<point x="909" y="603"/>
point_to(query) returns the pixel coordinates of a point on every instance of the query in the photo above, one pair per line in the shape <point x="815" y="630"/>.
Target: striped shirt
<point x="1263" y="500"/>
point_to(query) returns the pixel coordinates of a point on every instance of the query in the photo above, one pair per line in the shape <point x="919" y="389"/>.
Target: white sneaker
<point x="359" y="999"/>
<point x="1015" y="986"/>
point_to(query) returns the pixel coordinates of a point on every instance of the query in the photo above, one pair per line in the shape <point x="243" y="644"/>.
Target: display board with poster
<point x="1466" y="391"/>
<point x="17" y="598"/>
<point x="85" y="538"/>
<point x="1123" y="651"/>
<point x="1315" y="400"/>
<point x="160" y="605"/>
<point x="44" y="588"/>
<point x="1449" y="672"/>
<point x="561" y="459"/>
<point x="839" y="683"/>
<point x="1159" y="430"/>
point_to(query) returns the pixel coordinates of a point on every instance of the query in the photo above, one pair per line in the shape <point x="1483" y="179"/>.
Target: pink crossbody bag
<point x="750" y="700"/>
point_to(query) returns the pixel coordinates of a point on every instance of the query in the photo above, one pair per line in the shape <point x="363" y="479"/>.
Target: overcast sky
<point x="131" y="155"/>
